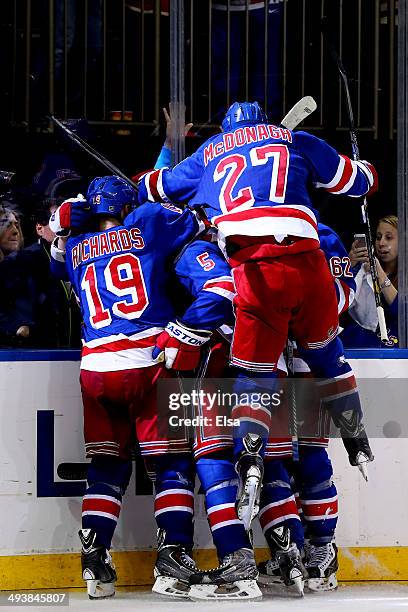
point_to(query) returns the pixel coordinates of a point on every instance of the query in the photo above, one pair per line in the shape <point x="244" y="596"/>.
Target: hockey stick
<point x="293" y="424"/>
<point x="82" y="144"/>
<point x="302" y="109"/>
<point x="299" y="112"/>
<point x="364" y="208"/>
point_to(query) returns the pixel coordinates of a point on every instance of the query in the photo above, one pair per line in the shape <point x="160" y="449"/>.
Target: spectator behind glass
<point x="263" y="56"/>
<point x="363" y="330"/>
<point x="11" y="236"/>
<point x="36" y="310"/>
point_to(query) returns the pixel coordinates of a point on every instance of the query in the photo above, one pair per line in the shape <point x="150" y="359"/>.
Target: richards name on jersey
<point x="105" y="243"/>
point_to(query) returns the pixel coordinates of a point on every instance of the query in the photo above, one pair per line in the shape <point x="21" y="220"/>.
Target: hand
<point x="23" y="331"/>
<point x="380" y="272"/>
<point x="181" y="346"/>
<point x="74" y="213"/>
<point x="358" y="254"/>
<point x="170" y="127"/>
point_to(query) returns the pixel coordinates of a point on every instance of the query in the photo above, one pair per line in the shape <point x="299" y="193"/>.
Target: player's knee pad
<point x="110" y="471"/>
<point x="174" y="471"/>
<point x="326" y="362"/>
<point x="315" y="470"/>
<point x="213" y="472"/>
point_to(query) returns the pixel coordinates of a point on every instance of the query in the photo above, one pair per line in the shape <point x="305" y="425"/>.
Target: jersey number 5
<point x="232" y="167"/>
<point x="123" y="277"/>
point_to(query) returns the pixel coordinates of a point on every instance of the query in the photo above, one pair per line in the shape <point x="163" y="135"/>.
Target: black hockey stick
<point x="82" y="144"/>
<point x="364" y="208"/>
<point x="293" y="422"/>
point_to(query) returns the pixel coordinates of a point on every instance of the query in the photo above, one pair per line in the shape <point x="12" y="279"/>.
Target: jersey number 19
<point x="123" y="277"/>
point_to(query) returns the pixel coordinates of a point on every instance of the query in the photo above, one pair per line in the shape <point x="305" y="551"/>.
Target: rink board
<point x="40" y="413"/>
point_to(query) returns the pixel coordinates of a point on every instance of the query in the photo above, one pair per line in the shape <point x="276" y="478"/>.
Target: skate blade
<point x="265" y="580"/>
<point x="241" y="589"/>
<point x="299" y="585"/>
<point x="99" y="590"/>
<point x="322" y="584"/>
<point x="363" y="470"/>
<point x="248" y="505"/>
<point x="171" y="587"/>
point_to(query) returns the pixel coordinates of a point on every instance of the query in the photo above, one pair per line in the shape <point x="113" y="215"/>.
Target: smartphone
<point x="361" y="241"/>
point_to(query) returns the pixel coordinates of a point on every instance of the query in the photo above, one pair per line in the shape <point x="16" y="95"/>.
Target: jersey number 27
<point x="231" y="168"/>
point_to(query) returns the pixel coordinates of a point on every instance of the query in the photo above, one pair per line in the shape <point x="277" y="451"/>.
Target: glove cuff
<point x="192" y="337"/>
<point x="56" y="253"/>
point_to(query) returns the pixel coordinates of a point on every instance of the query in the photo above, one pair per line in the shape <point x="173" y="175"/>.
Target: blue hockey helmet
<point x="107" y="195"/>
<point x="250" y="112"/>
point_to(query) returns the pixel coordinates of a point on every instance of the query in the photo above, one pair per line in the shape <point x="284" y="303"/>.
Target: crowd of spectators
<point x="36" y="310"/>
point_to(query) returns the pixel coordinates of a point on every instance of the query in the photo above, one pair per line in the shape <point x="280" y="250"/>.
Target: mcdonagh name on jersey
<point x="242" y="136"/>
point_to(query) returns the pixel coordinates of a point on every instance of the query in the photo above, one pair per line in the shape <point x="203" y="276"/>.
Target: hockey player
<point x="120" y="274"/>
<point x="317" y="499"/>
<point x="254" y="179"/>
<point x="205" y="275"/>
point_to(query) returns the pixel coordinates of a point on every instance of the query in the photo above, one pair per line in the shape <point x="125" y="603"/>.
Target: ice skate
<point x="322" y="566"/>
<point x="235" y="578"/>
<point x="287" y="556"/>
<point x="359" y="452"/>
<point x="250" y="471"/>
<point x="269" y="572"/>
<point x="173" y="568"/>
<point x="97" y="567"/>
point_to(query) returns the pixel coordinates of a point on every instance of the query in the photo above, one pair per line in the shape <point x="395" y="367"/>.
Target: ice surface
<point x="362" y="597"/>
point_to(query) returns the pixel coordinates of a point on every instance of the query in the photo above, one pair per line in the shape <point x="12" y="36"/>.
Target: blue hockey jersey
<point x="121" y="276"/>
<point x="255" y="180"/>
<point x="340" y="266"/>
<point x="203" y="272"/>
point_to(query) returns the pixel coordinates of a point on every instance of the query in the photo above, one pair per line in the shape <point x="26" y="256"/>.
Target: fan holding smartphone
<point x="363" y="331"/>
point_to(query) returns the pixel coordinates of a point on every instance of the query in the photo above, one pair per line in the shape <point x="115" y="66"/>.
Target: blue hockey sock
<point x="278" y="504"/>
<point x="108" y="479"/>
<point x="219" y="481"/>
<point x="255" y="391"/>
<point x="174" y="499"/>
<point x="318" y="494"/>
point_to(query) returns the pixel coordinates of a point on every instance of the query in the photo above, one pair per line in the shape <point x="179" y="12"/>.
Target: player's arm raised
<point x="177" y="185"/>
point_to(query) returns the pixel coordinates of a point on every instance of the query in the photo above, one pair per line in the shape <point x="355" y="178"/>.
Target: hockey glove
<point x="74" y="213"/>
<point x="181" y="346"/>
